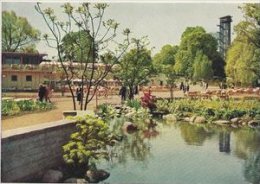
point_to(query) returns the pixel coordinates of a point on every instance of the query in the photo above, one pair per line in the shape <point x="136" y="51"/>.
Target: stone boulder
<point x="192" y="119"/>
<point x="186" y="119"/>
<point x="95" y="176"/>
<point x="235" y="120"/>
<point x="52" y="176"/>
<point x="222" y="122"/>
<point x="75" y="180"/>
<point x="200" y="119"/>
<point x="129" y="127"/>
<point x="254" y="123"/>
<point x="170" y="117"/>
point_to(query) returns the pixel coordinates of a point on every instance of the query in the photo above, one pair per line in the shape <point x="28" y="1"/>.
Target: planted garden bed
<point x="12" y="107"/>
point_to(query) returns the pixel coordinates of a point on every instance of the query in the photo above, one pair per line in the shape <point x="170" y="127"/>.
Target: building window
<point x="14" y="78"/>
<point x="28" y="78"/>
<point x="11" y="60"/>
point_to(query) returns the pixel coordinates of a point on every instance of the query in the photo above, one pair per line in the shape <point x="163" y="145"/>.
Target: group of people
<point x="123" y="92"/>
<point x="44" y="93"/>
<point x="185" y="87"/>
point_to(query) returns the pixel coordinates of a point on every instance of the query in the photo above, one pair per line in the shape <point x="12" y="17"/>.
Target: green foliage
<point x="136" y="66"/>
<point x="213" y="109"/>
<point x="202" y="67"/>
<point x="88" y="143"/>
<point x="106" y="111"/>
<point x="76" y="46"/>
<point x="11" y="107"/>
<point x="134" y="103"/>
<point x="194" y="40"/>
<point x="243" y="57"/>
<point x="17" y="33"/>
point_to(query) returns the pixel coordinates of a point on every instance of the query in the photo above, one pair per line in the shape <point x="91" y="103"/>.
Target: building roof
<point x="23" y="54"/>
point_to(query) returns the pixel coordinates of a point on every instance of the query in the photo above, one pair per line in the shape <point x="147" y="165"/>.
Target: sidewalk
<point x="62" y="104"/>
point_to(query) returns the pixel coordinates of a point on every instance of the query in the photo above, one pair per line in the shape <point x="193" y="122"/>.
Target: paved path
<point x="62" y="104"/>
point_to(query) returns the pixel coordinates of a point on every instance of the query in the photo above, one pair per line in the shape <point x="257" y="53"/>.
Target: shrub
<point x="87" y="144"/>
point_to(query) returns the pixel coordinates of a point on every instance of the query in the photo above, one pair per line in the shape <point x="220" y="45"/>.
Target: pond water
<point x="182" y="153"/>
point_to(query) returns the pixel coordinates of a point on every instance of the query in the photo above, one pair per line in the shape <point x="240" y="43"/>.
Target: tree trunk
<point x="131" y="92"/>
<point x="171" y="92"/>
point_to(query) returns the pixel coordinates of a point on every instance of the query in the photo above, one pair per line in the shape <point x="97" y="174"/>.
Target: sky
<point x="163" y="23"/>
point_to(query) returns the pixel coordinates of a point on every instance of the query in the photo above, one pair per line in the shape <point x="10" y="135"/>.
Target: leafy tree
<point x="202" y="67"/>
<point x="17" y="33"/>
<point x="84" y="43"/>
<point x="136" y="66"/>
<point x="243" y="57"/>
<point x="196" y="39"/>
<point x="252" y="23"/>
<point x="164" y="63"/>
<point x="75" y="46"/>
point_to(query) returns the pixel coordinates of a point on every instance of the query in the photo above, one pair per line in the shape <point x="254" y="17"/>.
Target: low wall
<point x="28" y="152"/>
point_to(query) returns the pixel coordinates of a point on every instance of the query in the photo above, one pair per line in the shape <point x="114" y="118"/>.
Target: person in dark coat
<point x="79" y="93"/>
<point x="41" y="92"/>
<point x="122" y="93"/>
<point x="182" y="86"/>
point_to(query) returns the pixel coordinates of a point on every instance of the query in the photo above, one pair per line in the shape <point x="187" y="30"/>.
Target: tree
<point x="243" y="57"/>
<point x="242" y="64"/>
<point x="164" y="63"/>
<point x="75" y="46"/>
<point x="252" y="22"/>
<point x="136" y="66"/>
<point x="202" y="67"/>
<point x="17" y="33"/>
<point x="84" y="37"/>
<point x="196" y="39"/>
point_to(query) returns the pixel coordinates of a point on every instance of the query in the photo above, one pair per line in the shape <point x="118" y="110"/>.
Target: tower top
<point x="225" y="19"/>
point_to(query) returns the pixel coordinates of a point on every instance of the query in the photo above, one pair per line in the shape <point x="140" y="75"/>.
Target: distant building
<point x="25" y="71"/>
<point x="21" y="71"/>
<point x="224" y="39"/>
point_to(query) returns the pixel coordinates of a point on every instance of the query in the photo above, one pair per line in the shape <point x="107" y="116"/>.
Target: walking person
<point x="41" y="92"/>
<point x="122" y="93"/>
<point x="79" y="93"/>
<point x="48" y="93"/>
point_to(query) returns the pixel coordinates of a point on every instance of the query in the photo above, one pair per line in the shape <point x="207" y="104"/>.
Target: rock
<point x="52" y="176"/>
<point x="222" y="122"/>
<point x="235" y="120"/>
<point x="129" y="127"/>
<point x="234" y="126"/>
<point x="192" y="119"/>
<point x="170" y="117"/>
<point x="244" y="123"/>
<point x="187" y="119"/>
<point x="200" y="119"/>
<point x="95" y="176"/>
<point x="254" y="123"/>
<point x="75" y="180"/>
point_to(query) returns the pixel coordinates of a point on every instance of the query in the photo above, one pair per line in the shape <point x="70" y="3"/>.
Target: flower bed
<point x="13" y="107"/>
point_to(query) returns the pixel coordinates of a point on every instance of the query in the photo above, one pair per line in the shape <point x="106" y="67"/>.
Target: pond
<point x="184" y="153"/>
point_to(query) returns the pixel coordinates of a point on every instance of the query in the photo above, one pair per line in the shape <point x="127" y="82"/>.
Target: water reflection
<point x="252" y="168"/>
<point x="132" y="147"/>
<point x="247" y="142"/>
<point x="224" y="142"/>
<point x="240" y="144"/>
<point x="194" y="134"/>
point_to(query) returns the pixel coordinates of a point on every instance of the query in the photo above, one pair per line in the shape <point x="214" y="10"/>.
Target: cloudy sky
<point x="163" y="23"/>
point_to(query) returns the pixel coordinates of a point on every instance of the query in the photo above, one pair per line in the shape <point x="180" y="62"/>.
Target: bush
<point x="87" y="144"/>
<point x="213" y="109"/>
<point x="10" y="107"/>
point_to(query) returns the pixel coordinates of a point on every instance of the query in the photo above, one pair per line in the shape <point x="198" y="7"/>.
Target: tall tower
<point x="224" y="35"/>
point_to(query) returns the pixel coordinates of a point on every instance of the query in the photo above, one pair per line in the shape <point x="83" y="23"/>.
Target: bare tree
<point x="85" y="21"/>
